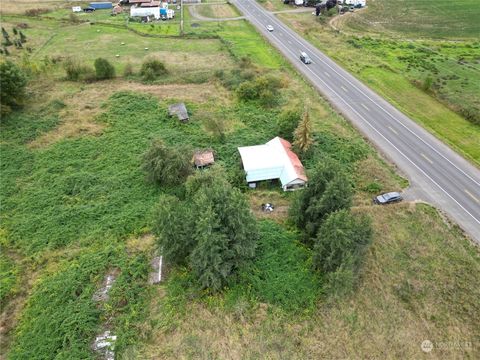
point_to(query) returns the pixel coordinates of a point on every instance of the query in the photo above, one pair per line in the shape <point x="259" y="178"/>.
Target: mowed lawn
<point x="420" y="18"/>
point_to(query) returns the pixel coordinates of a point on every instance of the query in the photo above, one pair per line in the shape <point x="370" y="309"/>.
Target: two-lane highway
<point x="437" y="173"/>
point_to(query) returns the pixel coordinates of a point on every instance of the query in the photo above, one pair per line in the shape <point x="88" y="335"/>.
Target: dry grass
<point x="369" y="171"/>
<point x="141" y="243"/>
<point x="218" y="11"/>
<point x="278" y="199"/>
<point x="415" y="285"/>
<point x="20" y="6"/>
<point x="83" y="103"/>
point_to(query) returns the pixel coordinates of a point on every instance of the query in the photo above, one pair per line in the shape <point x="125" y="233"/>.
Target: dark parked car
<point x="89" y="9"/>
<point x="387" y="198"/>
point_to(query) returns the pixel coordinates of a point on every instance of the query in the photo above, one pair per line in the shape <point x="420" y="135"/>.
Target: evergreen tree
<point x="15" y="32"/>
<point x="212" y="231"/>
<point x="329" y="190"/>
<point x="5" y="34"/>
<point x="341" y="241"/>
<point x="23" y="38"/>
<point x="211" y="258"/>
<point x="173" y="228"/>
<point x="303" y="137"/>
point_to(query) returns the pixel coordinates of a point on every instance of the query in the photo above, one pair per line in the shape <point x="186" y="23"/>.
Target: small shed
<point x="203" y="158"/>
<point x="179" y="110"/>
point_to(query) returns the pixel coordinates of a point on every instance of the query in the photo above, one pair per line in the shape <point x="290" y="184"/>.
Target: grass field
<point x="419" y="18"/>
<point x="218" y="11"/>
<point x="397" y="69"/>
<point x="75" y="205"/>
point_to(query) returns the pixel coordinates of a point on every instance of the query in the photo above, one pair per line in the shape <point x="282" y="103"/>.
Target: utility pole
<point x="181" y="17"/>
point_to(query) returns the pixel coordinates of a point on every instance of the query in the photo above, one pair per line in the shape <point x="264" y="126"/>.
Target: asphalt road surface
<point x="436" y="173"/>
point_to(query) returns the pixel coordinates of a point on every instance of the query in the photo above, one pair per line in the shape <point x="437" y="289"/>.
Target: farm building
<point x="151" y="8"/>
<point x="203" y="158"/>
<point x="180" y="110"/>
<point x="361" y="3"/>
<point x="273" y="160"/>
<point x="101" y="5"/>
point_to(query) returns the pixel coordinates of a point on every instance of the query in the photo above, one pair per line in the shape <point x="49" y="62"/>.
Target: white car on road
<point x="269" y="27"/>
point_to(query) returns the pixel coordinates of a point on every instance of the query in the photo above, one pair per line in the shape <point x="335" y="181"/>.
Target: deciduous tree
<point x="167" y="165"/>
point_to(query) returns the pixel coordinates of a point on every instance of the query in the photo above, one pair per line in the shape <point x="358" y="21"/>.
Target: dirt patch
<point x="279" y="201"/>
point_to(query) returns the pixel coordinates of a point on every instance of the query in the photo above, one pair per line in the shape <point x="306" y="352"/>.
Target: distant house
<point x="203" y="158"/>
<point x="179" y="110"/>
<point x="133" y="2"/>
<point x="150" y="4"/>
<point x="273" y="160"/>
<point x="145" y="11"/>
<point x="356" y="3"/>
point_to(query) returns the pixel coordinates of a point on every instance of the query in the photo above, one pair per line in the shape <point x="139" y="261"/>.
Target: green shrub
<point x="76" y="71"/>
<point x="12" y="86"/>
<point x="152" y="69"/>
<point x="167" y="165"/>
<point x="288" y="122"/>
<point x="103" y="69"/>
<point x="427" y="83"/>
<point x="263" y="88"/>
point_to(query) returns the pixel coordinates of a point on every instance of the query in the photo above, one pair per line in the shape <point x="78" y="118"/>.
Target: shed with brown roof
<point x="203" y="158"/>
